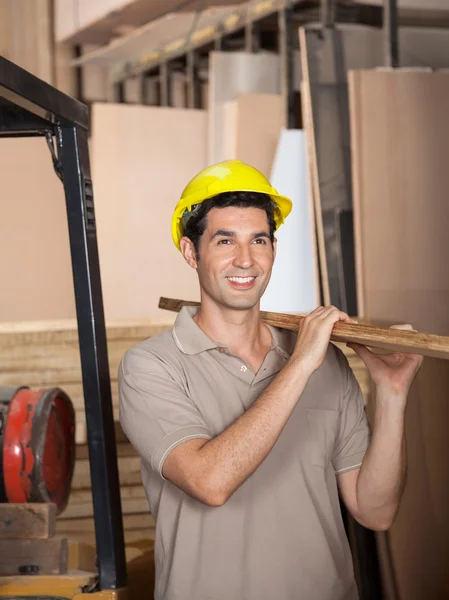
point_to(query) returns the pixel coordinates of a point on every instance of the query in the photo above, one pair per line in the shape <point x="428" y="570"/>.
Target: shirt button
<point x="243" y="368"/>
<point x="222" y="350"/>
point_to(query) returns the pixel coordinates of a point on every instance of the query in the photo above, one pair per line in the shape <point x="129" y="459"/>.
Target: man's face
<point x="236" y="256"/>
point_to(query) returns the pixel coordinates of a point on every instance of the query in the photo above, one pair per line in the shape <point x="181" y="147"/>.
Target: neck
<point x="242" y="331"/>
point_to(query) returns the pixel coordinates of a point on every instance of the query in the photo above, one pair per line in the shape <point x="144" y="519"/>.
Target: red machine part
<point x="38" y="453"/>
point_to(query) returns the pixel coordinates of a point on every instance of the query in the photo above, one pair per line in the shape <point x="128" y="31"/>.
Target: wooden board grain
<point x="400" y="140"/>
<point x="50" y="556"/>
<point x="27" y="521"/>
<point x="394" y="340"/>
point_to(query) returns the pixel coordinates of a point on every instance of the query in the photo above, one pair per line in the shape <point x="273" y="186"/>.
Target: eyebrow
<point x="229" y="233"/>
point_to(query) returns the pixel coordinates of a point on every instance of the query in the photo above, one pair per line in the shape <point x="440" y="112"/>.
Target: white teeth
<point x="241" y="279"/>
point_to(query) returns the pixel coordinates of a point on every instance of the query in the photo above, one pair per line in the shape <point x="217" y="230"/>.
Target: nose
<point x="243" y="258"/>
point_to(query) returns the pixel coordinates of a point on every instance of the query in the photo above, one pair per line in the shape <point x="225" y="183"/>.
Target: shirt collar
<point x="190" y="339"/>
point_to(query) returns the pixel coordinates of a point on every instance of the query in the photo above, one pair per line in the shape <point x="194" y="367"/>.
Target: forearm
<point x="382" y="475"/>
<point x="224" y="463"/>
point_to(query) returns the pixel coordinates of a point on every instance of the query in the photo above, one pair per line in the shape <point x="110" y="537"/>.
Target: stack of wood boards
<point x="400" y="141"/>
<point x="47" y="355"/>
<point x="28" y="543"/>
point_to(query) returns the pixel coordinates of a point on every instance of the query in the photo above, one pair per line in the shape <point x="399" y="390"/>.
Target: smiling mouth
<point x="241" y="283"/>
<point x="241" y="279"/>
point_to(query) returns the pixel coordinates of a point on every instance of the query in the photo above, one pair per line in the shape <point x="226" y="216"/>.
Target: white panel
<point x="294" y="282"/>
<point x="231" y="74"/>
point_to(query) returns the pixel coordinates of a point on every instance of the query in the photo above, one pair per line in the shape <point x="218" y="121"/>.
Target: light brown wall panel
<point x="400" y="141"/>
<point x="252" y="125"/>
<point x="142" y="157"/>
<point x="35" y="256"/>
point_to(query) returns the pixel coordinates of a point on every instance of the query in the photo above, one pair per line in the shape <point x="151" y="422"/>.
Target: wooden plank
<point x="74" y="526"/>
<point x="129" y="473"/>
<point x="23" y="521"/>
<point x="82" y="556"/>
<point x="126" y="493"/>
<point x="50" y="556"/>
<point x="393" y="340"/>
<point x="123" y="450"/>
<point x="129" y="507"/>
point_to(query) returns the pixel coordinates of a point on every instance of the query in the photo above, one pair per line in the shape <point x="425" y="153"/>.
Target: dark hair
<point x="196" y="221"/>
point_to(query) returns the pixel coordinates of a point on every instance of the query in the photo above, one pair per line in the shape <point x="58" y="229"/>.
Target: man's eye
<point x="224" y="241"/>
<point x="260" y="241"/>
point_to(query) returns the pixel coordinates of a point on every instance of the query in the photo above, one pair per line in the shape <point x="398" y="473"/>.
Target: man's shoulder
<point x="159" y="349"/>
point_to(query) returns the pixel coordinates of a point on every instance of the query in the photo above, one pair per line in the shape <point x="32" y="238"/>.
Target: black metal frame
<point x="391" y="33"/>
<point x="31" y="107"/>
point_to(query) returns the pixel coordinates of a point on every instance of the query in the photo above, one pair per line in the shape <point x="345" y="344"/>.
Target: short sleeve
<point x="155" y="412"/>
<point x="354" y="432"/>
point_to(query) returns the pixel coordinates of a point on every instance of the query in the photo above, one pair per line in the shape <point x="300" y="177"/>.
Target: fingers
<point x="332" y="313"/>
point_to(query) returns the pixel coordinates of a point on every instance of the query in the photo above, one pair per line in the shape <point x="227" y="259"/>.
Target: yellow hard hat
<point x="226" y="176"/>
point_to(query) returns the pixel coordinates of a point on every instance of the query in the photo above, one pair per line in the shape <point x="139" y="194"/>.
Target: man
<point x="248" y="432"/>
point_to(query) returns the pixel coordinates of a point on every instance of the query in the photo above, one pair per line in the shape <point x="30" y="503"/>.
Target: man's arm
<point x="212" y="471"/>
<point x="372" y="494"/>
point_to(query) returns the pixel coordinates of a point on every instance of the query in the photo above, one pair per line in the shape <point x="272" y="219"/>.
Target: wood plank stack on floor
<point x="400" y="141"/>
<point x="47" y="354"/>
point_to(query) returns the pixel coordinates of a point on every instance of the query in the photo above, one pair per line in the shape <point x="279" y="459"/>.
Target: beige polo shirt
<point x="280" y="536"/>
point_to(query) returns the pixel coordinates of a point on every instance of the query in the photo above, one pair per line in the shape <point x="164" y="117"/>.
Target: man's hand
<point x="392" y="373"/>
<point x="314" y="336"/>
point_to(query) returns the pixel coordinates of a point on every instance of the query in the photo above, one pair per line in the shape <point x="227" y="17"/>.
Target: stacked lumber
<point x="28" y="544"/>
<point x="46" y="354"/>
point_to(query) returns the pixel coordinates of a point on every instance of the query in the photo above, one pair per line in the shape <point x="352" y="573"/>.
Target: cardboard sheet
<point x="142" y="158"/>
<point x="400" y="141"/>
<point x="294" y="285"/>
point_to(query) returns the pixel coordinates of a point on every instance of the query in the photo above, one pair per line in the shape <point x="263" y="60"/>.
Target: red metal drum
<point x="37" y="446"/>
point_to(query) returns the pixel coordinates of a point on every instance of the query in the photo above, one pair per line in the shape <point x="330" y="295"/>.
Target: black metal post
<point x="391" y="33"/>
<point x="251" y="36"/>
<point x="193" y="83"/>
<point x="165" y="82"/>
<point x="327" y="13"/>
<point x="118" y="92"/>
<point x="286" y="53"/>
<point x="74" y="156"/>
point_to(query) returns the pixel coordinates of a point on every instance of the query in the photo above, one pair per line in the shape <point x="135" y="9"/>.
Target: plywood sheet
<point x="294" y="285"/>
<point x="252" y="126"/>
<point x="232" y="74"/>
<point x="326" y="58"/>
<point x="400" y="137"/>
<point x="142" y="158"/>
<point x="35" y="267"/>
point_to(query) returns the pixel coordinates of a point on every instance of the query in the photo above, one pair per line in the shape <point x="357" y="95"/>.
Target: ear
<point x="275" y="245"/>
<point x="188" y="252"/>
